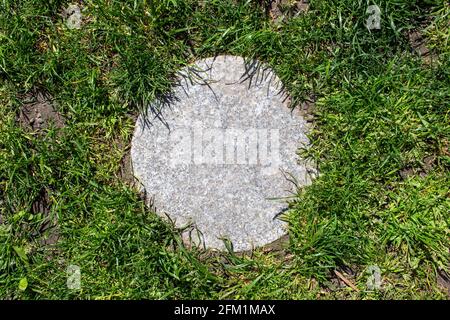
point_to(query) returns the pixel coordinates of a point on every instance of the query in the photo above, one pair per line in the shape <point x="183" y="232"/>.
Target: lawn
<point x="378" y="101"/>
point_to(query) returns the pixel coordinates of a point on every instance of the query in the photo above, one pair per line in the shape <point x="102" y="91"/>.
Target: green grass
<point x="380" y="110"/>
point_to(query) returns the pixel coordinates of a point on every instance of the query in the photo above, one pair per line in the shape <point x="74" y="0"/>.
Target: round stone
<point x="219" y="153"/>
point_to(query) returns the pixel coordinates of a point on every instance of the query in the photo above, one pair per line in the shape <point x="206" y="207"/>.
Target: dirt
<point x="48" y="233"/>
<point x="427" y="165"/>
<point x="280" y="10"/>
<point x="307" y="108"/>
<point x="277" y="248"/>
<point x="126" y="169"/>
<point x="419" y="46"/>
<point x="37" y="115"/>
<point x="418" y="43"/>
<point x="38" y="112"/>
<point x="443" y="278"/>
<point x="125" y="172"/>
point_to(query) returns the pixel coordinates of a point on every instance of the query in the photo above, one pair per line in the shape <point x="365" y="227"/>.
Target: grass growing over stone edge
<point x="380" y="139"/>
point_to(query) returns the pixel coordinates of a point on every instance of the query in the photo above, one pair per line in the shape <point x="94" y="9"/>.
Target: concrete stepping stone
<point x="220" y="153"/>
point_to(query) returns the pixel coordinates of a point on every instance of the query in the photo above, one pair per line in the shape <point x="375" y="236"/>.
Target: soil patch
<point x="281" y="10"/>
<point x="38" y="112"/>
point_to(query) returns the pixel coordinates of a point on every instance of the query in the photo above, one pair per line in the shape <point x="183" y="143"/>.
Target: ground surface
<point x="379" y="105"/>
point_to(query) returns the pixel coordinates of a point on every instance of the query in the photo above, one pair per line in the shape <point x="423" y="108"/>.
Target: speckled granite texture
<point x="222" y="153"/>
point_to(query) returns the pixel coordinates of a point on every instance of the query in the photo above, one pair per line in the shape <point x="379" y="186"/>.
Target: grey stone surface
<point x="222" y="153"/>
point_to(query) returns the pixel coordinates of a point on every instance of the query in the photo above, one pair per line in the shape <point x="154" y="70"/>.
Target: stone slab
<point x="220" y="153"/>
